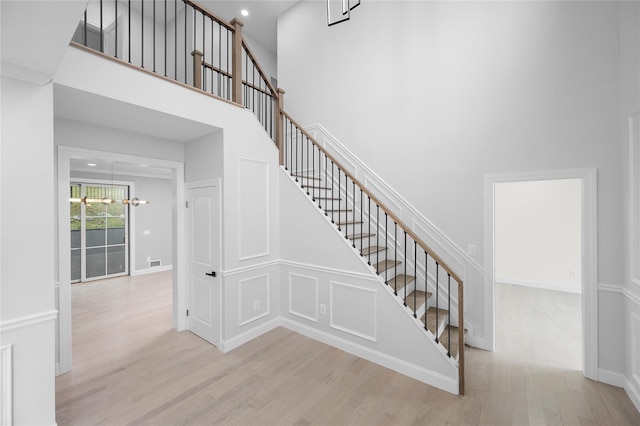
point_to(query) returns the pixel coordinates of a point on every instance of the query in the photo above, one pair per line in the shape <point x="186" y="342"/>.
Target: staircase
<point x="215" y="58"/>
<point x="369" y="242"/>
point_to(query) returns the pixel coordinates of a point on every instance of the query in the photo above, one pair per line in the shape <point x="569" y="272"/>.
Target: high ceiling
<point x="261" y="24"/>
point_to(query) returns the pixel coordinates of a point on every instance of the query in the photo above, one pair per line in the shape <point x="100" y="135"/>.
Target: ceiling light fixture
<point x="340" y="10"/>
<point x="135" y="201"/>
<point x="244" y="12"/>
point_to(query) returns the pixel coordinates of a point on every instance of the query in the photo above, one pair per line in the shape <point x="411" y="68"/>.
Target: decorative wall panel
<point x="253" y="209"/>
<point x="354" y="310"/>
<point x="303" y="296"/>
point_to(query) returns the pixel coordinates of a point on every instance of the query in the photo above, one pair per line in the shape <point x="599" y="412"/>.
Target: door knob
<point x="212" y="274"/>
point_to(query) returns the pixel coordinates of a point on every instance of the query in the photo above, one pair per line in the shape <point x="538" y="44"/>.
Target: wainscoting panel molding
<point x="635" y="348"/>
<point x="354" y="310"/>
<point x="253" y="209"/>
<point x="254" y="298"/>
<point x="303" y="296"/>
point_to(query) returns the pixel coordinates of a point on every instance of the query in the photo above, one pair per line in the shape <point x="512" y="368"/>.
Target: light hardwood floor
<point x="129" y="367"/>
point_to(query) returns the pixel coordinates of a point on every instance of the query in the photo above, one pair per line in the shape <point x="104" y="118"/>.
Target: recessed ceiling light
<point x="244" y="12"/>
<point x="91" y="164"/>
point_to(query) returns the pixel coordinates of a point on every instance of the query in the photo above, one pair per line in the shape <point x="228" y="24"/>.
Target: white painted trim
<point x="332" y="271"/>
<point x="65" y="153"/>
<point x="611" y="377"/>
<point x="154" y="270"/>
<point x="386" y="191"/>
<point x="266" y="313"/>
<point x="6" y="368"/>
<point x="242" y="257"/>
<point x="537" y="284"/>
<point x="241" y="339"/>
<point x="619" y="289"/>
<point x="28" y="320"/>
<point x="344" y="329"/>
<point x="123" y="173"/>
<point x="634" y="392"/>
<point x="241" y="270"/>
<point x="589" y="255"/>
<point x="411" y="370"/>
<point x="315" y="301"/>
<point x="203" y="183"/>
<point x="634" y="208"/>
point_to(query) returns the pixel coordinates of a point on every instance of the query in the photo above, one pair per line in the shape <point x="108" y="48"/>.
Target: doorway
<point x="176" y="169"/>
<point x="584" y="272"/>
<point x="538" y="272"/>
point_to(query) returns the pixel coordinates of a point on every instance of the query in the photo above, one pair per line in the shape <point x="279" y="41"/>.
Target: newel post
<point x="236" y="61"/>
<point x="197" y="69"/>
<point x="280" y="125"/>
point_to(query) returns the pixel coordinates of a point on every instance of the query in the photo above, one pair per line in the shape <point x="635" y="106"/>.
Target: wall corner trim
<point x="611" y="377"/>
<point x="28" y="320"/>
<point x="241" y="339"/>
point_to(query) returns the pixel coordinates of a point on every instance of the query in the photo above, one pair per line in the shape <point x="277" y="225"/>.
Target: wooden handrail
<point x="210" y="14"/>
<point x="397" y="220"/>
<point x="274" y="92"/>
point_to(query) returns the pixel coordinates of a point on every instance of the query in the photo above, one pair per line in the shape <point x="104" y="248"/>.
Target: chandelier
<point x="340" y="10"/>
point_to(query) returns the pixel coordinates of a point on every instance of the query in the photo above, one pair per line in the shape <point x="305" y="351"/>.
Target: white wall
<point x="459" y="90"/>
<point x="538" y="234"/>
<point x="266" y="58"/>
<point x="629" y="300"/>
<point x="26" y="241"/>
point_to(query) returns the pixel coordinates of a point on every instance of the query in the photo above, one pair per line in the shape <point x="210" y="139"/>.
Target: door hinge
<point x="186" y="204"/>
<point x="187" y="312"/>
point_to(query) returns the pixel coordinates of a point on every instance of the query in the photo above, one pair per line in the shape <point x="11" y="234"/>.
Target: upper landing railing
<point x="182" y="41"/>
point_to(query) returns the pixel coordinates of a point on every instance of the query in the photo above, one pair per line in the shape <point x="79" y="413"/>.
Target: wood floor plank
<point x="131" y="368"/>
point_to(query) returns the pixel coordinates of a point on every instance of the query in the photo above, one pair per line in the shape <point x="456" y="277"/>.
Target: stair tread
<point x="444" y="340"/>
<point x="386" y="264"/>
<point x="318" y="187"/>
<point x="306" y="176"/>
<point x="360" y="235"/>
<point x="431" y="318"/>
<point x="420" y="297"/>
<point x="399" y="281"/>
<point x="325" y="197"/>
<point x="349" y="222"/>
<point x="372" y="249"/>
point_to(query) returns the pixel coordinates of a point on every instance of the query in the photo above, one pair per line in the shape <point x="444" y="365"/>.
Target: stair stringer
<point x="363" y="317"/>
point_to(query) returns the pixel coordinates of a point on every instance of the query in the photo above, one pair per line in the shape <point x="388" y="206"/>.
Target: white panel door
<point x="204" y="260"/>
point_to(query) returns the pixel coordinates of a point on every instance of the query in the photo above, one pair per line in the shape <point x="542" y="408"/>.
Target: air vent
<point x="154" y="263"/>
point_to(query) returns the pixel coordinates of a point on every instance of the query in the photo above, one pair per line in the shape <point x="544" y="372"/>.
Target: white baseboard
<point x="611" y="377"/>
<point x="633" y="390"/>
<point x="411" y="370"/>
<point x="230" y="344"/>
<point x="151" y="270"/>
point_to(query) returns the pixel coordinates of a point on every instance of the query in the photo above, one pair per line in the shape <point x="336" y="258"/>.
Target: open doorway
<point x="175" y="172"/>
<point x="538" y="270"/>
<point x="580" y="277"/>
